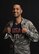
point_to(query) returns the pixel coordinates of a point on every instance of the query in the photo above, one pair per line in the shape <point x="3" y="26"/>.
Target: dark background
<point x="31" y="12"/>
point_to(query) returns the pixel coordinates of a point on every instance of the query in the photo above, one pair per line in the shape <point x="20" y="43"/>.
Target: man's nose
<point x="15" y="10"/>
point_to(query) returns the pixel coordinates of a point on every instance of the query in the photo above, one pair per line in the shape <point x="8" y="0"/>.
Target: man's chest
<point x="16" y="28"/>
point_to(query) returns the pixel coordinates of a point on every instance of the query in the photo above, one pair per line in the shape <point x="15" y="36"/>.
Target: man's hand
<point x="24" y="30"/>
<point x="7" y="30"/>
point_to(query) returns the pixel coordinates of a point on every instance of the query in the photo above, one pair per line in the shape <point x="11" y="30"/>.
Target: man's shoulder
<point x="27" y="21"/>
<point x="10" y="21"/>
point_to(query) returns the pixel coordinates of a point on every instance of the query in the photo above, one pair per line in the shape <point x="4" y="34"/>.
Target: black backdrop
<point x="31" y="11"/>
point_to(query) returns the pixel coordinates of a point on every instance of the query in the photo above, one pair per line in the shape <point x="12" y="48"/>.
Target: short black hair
<point x="20" y="4"/>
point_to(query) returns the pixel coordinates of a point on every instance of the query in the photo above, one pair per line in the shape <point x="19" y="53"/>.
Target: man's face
<point x="17" y="11"/>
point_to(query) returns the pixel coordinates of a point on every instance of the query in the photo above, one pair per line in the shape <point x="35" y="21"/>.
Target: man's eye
<point x="17" y="9"/>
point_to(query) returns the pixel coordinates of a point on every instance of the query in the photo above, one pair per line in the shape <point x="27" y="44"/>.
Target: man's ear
<point x="21" y="11"/>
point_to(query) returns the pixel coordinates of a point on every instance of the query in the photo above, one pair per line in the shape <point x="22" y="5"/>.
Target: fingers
<point x="7" y="29"/>
<point x="24" y="30"/>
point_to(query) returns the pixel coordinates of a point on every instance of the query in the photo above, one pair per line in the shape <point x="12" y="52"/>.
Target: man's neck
<point x="18" y="20"/>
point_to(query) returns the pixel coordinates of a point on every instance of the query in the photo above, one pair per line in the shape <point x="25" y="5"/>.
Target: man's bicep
<point x="5" y="28"/>
<point x="32" y="31"/>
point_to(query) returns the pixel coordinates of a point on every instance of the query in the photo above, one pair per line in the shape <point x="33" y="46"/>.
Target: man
<point x="21" y="32"/>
